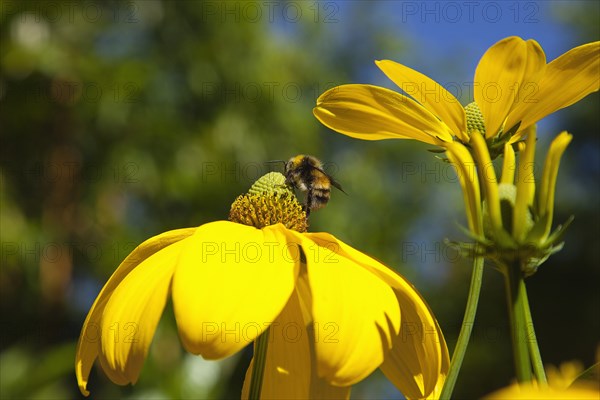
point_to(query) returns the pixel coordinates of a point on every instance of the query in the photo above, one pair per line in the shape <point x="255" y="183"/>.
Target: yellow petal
<point x="487" y="175"/>
<point x="374" y="113"/>
<point x="549" y="175"/>
<point x="508" y="165"/>
<point x="290" y="370"/>
<point x="525" y="188"/>
<point x="530" y="392"/>
<point x="528" y="89"/>
<point x="437" y="391"/>
<point x="230" y="283"/>
<point x="89" y="339"/>
<point x="355" y="312"/>
<point x="419" y="359"/>
<point x="430" y="94"/>
<point x="466" y="171"/>
<point x="497" y="79"/>
<point x="132" y="313"/>
<point x="566" y="80"/>
<point x="536" y="62"/>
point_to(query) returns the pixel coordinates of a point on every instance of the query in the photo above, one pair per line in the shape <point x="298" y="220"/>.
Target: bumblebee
<point x="306" y="173"/>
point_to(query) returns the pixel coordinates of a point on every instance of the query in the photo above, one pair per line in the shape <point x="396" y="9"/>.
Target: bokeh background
<point x="124" y="119"/>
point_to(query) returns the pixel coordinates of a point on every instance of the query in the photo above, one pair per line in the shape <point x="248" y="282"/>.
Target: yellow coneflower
<point x="333" y="314"/>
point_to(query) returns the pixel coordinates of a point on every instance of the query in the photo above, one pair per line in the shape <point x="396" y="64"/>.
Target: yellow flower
<point x="562" y="384"/>
<point x="514" y="87"/>
<point x="523" y="392"/>
<point x="334" y="314"/>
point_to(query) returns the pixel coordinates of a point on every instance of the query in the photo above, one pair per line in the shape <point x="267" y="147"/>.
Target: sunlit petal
<point x="89" y="339"/>
<point x="355" y="313"/>
<point x="497" y="79"/>
<point x="133" y="311"/>
<point x="566" y="80"/>
<point x="230" y="283"/>
<point x="419" y="356"/>
<point x="374" y="113"/>
<point x="290" y="371"/>
<point x="431" y="94"/>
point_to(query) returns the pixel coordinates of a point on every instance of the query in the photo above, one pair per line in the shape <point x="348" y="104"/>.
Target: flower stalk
<point x="534" y="350"/>
<point x="514" y="294"/>
<point x="260" y="361"/>
<point x="465" y="331"/>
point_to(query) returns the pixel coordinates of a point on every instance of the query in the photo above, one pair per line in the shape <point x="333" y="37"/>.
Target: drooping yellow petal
<point x="374" y="113"/>
<point x="132" y="313"/>
<point x="290" y="370"/>
<point x="430" y="94"/>
<point x="498" y="76"/>
<point x="437" y="390"/>
<point x="466" y="171"/>
<point x="508" y="166"/>
<point x="355" y="313"/>
<point x="549" y="175"/>
<point x="89" y="339"/>
<point x="566" y="80"/>
<point x="419" y="359"/>
<point x="288" y="365"/>
<point x="230" y="284"/>
<point x="525" y="188"/>
<point x="487" y="176"/>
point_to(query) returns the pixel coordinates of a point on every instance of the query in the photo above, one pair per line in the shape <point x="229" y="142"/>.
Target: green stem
<point x="534" y="350"/>
<point x="465" y="331"/>
<point x="258" y="367"/>
<point x="514" y="296"/>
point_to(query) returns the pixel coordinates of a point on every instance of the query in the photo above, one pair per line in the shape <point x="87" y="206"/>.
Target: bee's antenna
<point x="276" y="162"/>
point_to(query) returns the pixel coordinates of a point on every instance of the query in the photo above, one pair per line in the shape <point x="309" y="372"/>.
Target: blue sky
<point x="440" y="31"/>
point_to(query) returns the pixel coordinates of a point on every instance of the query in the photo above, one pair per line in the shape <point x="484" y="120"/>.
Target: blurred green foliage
<point x="121" y="120"/>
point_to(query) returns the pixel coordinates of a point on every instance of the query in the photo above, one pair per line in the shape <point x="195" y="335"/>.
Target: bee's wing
<point x="333" y="181"/>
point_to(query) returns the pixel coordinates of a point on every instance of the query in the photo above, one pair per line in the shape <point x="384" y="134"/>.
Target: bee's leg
<point x="308" y="205"/>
